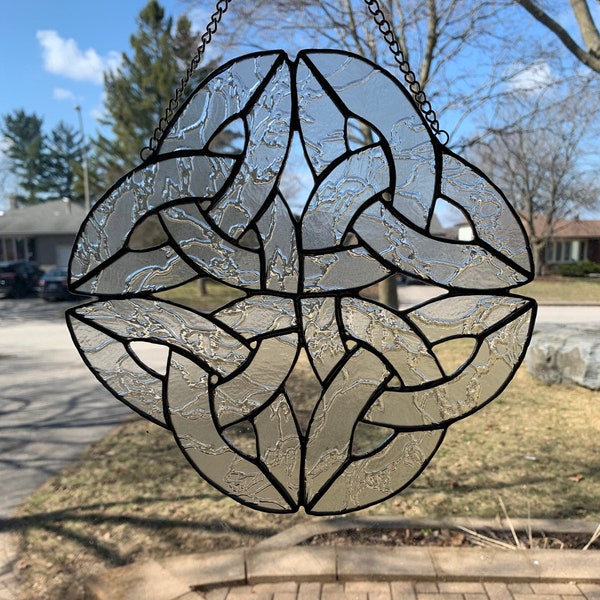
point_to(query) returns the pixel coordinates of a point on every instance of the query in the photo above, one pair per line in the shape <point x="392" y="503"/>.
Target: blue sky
<point x="53" y="54"/>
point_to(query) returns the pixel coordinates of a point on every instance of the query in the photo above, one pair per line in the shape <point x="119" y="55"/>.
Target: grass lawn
<point x="563" y="289"/>
<point x="133" y="496"/>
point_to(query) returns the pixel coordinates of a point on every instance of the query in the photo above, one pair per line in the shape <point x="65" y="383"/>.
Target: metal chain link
<point x="386" y="31"/>
<point x="409" y="76"/>
<point x="211" y="29"/>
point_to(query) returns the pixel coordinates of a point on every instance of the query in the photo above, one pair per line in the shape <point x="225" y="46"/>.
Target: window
<point x="567" y="251"/>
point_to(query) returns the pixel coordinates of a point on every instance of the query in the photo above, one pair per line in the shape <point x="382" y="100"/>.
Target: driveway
<point x="51" y="407"/>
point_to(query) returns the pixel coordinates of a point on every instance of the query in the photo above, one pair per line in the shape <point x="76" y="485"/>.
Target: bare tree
<point x="433" y="35"/>
<point x="473" y="58"/>
<point x="587" y="52"/>
<point x="541" y="164"/>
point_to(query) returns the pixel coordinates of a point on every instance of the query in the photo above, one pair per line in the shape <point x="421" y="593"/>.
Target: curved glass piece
<point x="209" y="203"/>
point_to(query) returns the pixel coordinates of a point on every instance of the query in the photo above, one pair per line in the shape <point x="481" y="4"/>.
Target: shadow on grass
<point x="56" y="523"/>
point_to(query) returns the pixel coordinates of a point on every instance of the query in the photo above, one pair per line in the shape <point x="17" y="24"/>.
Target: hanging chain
<point x="386" y="31"/>
<point x="211" y="29"/>
<point x="409" y="76"/>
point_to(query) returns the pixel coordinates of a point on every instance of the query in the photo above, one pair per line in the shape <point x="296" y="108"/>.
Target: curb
<point x="174" y="577"/>
<point x="281" y="558"/>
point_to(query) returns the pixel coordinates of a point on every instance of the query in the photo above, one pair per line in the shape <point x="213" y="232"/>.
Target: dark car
<point x="53" y="285"/>
<point x="18" y="278"/>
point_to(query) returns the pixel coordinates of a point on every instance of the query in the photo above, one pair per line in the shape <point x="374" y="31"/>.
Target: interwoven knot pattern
<point x="209" y="203"/>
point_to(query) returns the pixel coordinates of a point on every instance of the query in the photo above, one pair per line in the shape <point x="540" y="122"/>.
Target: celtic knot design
<point x="209" y="203"/>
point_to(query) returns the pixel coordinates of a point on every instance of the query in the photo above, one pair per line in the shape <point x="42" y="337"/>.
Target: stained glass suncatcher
<point x="209" y="203"/>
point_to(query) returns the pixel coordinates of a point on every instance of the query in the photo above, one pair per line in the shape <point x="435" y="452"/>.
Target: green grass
<point x="563" y="289"/>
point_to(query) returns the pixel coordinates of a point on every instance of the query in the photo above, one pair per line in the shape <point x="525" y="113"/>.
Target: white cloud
<point x="532" y="79"/>
<point x="63" y="94"/>
<point x="64" y="57"/>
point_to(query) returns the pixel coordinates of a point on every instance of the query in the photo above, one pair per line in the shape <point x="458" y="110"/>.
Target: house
<point x="572" y="240"/>
<point x="43" y="233"/>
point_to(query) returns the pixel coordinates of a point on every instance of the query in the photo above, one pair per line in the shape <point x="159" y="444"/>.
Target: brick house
<point x="572" y="240"/>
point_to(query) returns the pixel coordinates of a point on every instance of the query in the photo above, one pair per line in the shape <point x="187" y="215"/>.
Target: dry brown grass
<point x="133" y="496"/>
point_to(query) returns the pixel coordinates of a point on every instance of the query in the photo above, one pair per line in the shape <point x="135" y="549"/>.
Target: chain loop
<point x="411" y="79"/>
<point x="220" y="9"/>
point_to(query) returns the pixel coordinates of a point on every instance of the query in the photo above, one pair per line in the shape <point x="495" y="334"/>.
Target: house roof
<point x="568" y="228"/>
<point x="562" y="228"/>
<point x="53" y="217"/>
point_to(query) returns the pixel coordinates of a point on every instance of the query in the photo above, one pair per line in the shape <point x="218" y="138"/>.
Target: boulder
<point x="564" y="354"/>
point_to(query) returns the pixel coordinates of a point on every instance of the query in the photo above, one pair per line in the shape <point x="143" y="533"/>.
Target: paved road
<point x="588" y="316"/>
<point x="51" y="407"/>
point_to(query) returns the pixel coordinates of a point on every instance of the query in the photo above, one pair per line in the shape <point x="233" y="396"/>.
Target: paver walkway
<point x="357" y="573"/>
<point x="281" y="568"/>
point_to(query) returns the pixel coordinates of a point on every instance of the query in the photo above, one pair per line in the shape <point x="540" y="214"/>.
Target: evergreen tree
<point x="26" y="154"/>
<point x="139" y="91"/>
<point x="63" y="162"/>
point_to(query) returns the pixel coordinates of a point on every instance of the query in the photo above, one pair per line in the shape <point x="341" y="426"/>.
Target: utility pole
<point x="86" y="183"/>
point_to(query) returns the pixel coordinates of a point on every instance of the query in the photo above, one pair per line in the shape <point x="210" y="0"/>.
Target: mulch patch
<point x="452" y="538"/>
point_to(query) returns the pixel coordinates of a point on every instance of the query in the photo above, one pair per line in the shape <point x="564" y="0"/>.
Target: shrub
<point x="579" y="269"/>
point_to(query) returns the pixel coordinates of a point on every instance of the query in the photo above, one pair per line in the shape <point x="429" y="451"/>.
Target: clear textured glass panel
<point x="391" y="337"/>
<point x="161" y="322"/>
<point x="258" y="382"/>
<point x="258" y="315"/>
<point x="482" y="378"/>
<point x="367" y="438"/>
<point x="341" y="195"/>
<point x="224" y="95"/>
<point x="205" y="246"/>
<point x="302" y="392"/>
<point x="330" y="433"/>
<point x="321" y="331"/>
<point x="322" y="145"/>
<point x="365" y="89"/>
<point x="136" y="272"/>
<point x="493" y="220"/>
<point x="280" y="248"/>
<point x="463" y="315"/>
<point x="375" y="478"/>
<point x="452" y="264"/>
<point x="268" y="139"/>
<point x="279" y="444"/>
<point x="198" y="437"/>
<point x="334" y="271"/>
<point x="110" y="360"/>
<point x="114" y="218"/>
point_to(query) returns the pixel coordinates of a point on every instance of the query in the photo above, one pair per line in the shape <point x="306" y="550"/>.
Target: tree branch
<point x="587" y="57"/>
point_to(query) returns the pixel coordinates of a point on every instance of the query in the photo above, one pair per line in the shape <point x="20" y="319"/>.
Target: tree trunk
<point x="388" y="292"/>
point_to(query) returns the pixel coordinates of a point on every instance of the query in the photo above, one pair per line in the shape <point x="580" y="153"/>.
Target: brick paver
<point x="357" y="573"/>
<point x="496" y="590"/>
<point x="404" y="590"/>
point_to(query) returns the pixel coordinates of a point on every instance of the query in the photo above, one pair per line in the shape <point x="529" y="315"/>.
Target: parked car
<point x="18" y="278"/>
<point x="53" y="285"/>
